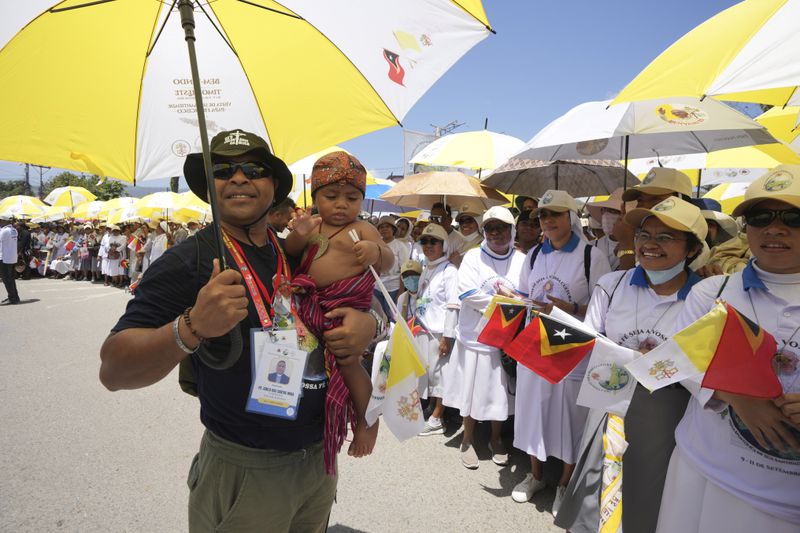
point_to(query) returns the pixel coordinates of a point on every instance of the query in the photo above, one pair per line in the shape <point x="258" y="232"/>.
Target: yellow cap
<point x="558" y="201"/>
<point x="411" y="266"/>
<point x="781" y="183"/>
<point x="435" y="231"/>
<point x="661" y="180"/>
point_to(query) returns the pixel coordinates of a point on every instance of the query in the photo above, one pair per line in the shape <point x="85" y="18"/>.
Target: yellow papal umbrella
<point x="21" y="206"/>
<point x="729" y="195"/>
<point x="88" y="210"/>
<point x="114" y="205"/>
<point x="69" y="196"/>
<point x="747" y="53"/>
<point x="782" y="123"/>
<point x="337" y="81"/>
<point x="477" y="150"/>
<point x="53" y="213"/>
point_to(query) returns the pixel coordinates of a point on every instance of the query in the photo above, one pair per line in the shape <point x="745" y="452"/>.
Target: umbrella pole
<point x="305" y="201"/>
<point x="699" y="180"/>
<point x="187" y="21"/>
<point x="216" y="361"/>
<point x="625" y="176"/>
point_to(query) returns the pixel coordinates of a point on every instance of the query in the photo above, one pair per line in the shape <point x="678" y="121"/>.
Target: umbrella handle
<point x="235" y="335"/>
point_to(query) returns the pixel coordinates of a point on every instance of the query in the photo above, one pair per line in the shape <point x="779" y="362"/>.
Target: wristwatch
<point x="380" y="325"/>
<point x="623" y="253"/>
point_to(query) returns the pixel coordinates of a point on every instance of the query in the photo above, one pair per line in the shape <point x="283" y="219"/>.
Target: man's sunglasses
<point x="761" y="218"/>
<point x="429" y="242"/>
<point x="224" y="171"/>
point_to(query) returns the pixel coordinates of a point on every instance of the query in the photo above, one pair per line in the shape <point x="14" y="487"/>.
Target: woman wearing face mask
<point x="637" y="309"/>
<point x="475" y="382"/>
<point x="736" y="463"/>
<point x="561" y="273"/>
<point x="608" y="213"/>
<point x="438" y="292"/>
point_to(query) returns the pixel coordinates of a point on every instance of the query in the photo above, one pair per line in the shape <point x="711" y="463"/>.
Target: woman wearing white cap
<point x="475" y="382"/>
<point x="467" y="220"/>
<point x="736" y="463"/>
<point x="561" y="272"/>
<point x="637" y="309"/>
<point x="435" y="313"/>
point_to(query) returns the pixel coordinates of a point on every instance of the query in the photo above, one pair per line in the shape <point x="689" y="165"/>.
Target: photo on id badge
<point x="276" y="361"/>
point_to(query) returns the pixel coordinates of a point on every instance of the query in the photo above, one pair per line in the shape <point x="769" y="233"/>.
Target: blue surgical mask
<point x="657" y="277"/>
<point x="411" y="283"/>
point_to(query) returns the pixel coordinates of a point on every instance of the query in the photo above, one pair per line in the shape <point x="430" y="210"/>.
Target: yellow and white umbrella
<point x="743" y="164"/>
<point x="747" y="53"/>
<point x="69" y="196"/>
<point x="304" y="75"/>
<point x="782" y="123"/>
<point x="115" y="204"/>
<point x="729" y="195"/>
<point x="478" y="150"/>
<point x="21" y="206"/>
<point x="126" y="214"/>
<point x="53" y="213"/>
<point x="88" y="210"/>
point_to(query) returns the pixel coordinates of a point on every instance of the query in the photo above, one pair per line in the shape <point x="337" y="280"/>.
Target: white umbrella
<point x="669" y="126"/>
<point x="478" y="150"/>
<point x="53" y="213"/>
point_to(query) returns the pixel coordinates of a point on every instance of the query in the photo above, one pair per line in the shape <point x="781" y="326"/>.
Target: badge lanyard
<point x="258" y="292"/>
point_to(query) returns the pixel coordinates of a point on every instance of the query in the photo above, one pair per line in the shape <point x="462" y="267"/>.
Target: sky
<point x="546" y="57"/>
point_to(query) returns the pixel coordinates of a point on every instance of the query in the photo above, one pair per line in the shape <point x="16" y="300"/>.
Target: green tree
<point x="12" y="188"/>
<point x="105" y="191"/>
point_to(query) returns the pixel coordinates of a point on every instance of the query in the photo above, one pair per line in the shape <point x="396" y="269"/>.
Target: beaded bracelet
<point x="188" y="321"/>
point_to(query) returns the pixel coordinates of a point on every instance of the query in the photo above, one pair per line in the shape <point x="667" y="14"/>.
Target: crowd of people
<point x="637" y="267"/>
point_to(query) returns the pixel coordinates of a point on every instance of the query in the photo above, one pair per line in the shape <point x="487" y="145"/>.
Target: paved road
<point x="76" y="457"/>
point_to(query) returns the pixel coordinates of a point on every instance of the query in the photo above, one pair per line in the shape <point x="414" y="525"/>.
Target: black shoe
<point x="5" y="301"/>
<point x="9" y="302"/>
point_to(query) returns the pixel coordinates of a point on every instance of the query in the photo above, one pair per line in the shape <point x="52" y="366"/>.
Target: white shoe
<point x="433" y="426"/>
<point x="560" y="493"/>
<point x="526" y="488"/>
<point x="468" y="457"/>
<point x="499" y="454"/>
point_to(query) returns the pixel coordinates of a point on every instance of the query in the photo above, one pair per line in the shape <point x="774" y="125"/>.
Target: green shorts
<point x="241" y="489"/>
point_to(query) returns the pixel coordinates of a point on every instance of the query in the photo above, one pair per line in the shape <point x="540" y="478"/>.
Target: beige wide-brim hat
<point x="435" y="231"/>
<point x="497" y="213"/>
<point x="781" y="183"/>
<point x="661" y="180"/>
<point x="727" y="224"/>
<point x="386" y="219"/>
<point x="558" y="201"/>
<point x="614" y="202"/>
<point x="680" y="215"/>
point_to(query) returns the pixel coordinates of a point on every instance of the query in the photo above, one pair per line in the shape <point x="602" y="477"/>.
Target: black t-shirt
<point x="169" y="286"/>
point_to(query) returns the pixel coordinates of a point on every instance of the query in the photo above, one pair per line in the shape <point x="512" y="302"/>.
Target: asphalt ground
<point x="76" y="457"/>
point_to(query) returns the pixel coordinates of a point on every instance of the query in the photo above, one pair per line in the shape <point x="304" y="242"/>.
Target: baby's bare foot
<point x="363" y="439"/>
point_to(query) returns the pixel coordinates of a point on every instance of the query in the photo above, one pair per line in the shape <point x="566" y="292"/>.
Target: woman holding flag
<point x="560" y="272"/>
<point x="636" y="309"/>
<point x="475" y="382"/>
<point x="736" y="463"/>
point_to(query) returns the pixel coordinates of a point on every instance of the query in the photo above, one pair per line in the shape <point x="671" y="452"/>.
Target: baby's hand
<point x="305" y="224"/>
<point x="367" y="252"/>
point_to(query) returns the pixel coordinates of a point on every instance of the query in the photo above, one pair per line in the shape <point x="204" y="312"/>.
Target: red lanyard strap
<point x="258" y="292"/>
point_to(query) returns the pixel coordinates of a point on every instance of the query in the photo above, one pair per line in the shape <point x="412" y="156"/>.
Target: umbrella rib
<point x="473" y="16"/>
<point x="87" y="4"/>
<point x="224" y="37"/>
<point x="292" y="15"/>
<point x="161" y="29"/>
<point x="705" y="148"/>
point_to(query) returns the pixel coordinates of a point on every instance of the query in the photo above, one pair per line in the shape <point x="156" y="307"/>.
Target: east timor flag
<point x="505" y="321"/>
<point x="550" y="348"/>
<point x="742" y="362"/>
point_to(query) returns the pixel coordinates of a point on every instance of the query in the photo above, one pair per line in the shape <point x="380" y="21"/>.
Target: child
<point x="334" y="272"/>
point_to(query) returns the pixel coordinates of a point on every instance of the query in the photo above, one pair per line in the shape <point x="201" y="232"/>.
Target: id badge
<point x="277" y="367"/>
